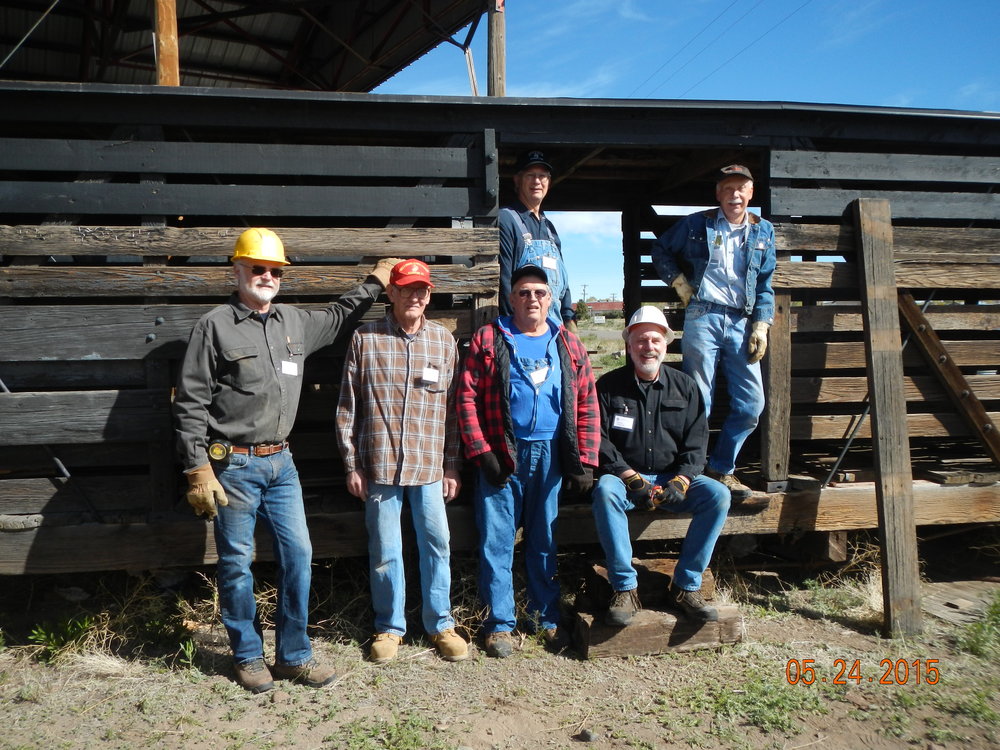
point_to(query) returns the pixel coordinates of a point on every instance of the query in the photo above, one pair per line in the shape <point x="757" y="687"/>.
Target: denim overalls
<point x="544" y="254"/>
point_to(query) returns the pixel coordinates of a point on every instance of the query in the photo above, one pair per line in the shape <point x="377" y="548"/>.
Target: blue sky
<point x="918" y="54"/>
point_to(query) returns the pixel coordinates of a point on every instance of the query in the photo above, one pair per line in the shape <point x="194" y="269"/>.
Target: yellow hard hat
<point x="259" y="244"/>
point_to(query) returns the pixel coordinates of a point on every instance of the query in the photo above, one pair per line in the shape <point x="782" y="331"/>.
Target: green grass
<point x="982" y="638"/>
<point x="406" y="732"/>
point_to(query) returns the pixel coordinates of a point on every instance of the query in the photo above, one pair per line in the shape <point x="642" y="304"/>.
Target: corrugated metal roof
<point x="350" y="45"/>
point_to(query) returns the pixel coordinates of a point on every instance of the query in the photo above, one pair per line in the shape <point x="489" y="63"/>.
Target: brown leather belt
<point x="262" y="449"/>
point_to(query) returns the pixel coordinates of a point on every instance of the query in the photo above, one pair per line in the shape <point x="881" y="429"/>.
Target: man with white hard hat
<point x="654" y="434"/>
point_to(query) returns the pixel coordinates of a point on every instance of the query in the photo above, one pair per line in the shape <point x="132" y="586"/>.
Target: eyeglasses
<point x="419" y="292"/>
<point x="540" y="176"/>
<point x="276" y="273"/>
<point x="529" y="293"/>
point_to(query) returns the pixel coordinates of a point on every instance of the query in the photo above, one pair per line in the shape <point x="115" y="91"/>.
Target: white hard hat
<point x="649" y="314"/>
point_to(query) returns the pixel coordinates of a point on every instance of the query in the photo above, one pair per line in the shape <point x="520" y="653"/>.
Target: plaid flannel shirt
<point x="483" y="401"/>
<point x="394" y="425"/>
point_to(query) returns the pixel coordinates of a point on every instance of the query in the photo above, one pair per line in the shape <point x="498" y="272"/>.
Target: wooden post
<point x="893" y="478"/>
<point x="775" y="433"/>
<point x="167" y="58"/>
<point x="631" y="229"/>
<point x="497" y="85"/>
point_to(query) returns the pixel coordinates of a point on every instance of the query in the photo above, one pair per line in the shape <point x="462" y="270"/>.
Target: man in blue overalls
<point x="527" y="237"/>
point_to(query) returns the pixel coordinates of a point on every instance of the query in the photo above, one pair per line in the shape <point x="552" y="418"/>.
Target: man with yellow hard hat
<point x="235" y="405"/>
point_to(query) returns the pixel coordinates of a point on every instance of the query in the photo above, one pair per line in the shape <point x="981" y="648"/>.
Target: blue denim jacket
<point x="685" y="248"/>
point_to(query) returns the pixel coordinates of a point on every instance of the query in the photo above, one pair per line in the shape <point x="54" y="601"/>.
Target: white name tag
<point x="430" y="375"/>
<point x="623" y="422"/>
<point x="289" y="368"/>
<point x="538" y="376"/>
<point x="548" y="262"/>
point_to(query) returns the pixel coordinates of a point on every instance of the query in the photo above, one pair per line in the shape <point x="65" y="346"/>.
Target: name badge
<point x="538" y="376"/>
<point x="623" y="422"/>
<point x="430" y="375"/>
<point x="548" y="262"/>
<point x="289" y="368"/>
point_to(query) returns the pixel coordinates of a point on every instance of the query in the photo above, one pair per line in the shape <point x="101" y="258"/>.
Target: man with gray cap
<point x="653" y="438"/>
<point x="720" y="262"/>
<point x="527" y="237"/>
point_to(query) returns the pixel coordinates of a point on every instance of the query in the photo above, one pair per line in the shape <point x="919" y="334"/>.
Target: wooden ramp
<point x="959" y="602"/>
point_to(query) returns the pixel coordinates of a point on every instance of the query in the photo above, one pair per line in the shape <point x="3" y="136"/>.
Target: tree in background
<point x="582" y="311"/>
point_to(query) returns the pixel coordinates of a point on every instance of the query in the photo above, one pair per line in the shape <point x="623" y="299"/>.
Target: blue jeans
<point x="265" y="487"/>
<point x="708" y="503"/>
<point x="531" y="500"/>
<point x="715" y="337"/>
<point x="385" y="556"/>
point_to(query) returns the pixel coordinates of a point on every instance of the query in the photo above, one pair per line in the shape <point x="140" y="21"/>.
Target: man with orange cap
<point x="236" y="401"/>
<point x="398" y="435"/>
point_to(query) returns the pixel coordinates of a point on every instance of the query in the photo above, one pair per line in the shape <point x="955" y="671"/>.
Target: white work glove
<point x="684" y="290"/>
<point x="205" y="492"/>
<point x="758" y="341"/>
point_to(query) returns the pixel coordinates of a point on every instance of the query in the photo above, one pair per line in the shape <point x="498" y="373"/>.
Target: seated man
<point x="654" y="435"/>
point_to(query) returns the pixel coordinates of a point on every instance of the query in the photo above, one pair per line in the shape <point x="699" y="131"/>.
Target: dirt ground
<point x="129" y="685"/>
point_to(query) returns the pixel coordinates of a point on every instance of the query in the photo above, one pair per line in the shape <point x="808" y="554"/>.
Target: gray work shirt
<point x="242" y="376"/>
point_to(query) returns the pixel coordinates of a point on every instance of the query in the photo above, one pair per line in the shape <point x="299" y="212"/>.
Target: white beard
<point x="263" y="295"/>
<point x="648" y="369"/>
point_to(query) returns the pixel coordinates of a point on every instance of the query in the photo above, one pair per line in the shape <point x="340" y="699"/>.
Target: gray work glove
<point x="204" y="491"/>
<point x="672" y="493"/>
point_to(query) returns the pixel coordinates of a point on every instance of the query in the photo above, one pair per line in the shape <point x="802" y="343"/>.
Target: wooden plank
<point x="838" y="239"/>
<point x="775" y="429"/>
<point x="183" y="157"/>
<point x="894" y="491"/>
<point x="827" y="276"/>
<point x="188" y="542"/>
<point x="85" y="417"/>
<point x="830" y="318"/>
<point x="215" y="281"/>
<point x="906" y="204"/>
<point x="851" y="390"/>
<point x="848" y="354"/>
<point x="826" y="165"/>
<point x="655" y="632"/>
<point x="174" y="199"/>
<point x="954" y="382"/>
<point x="311" y="242"/>
<point x="57" y="495"/>
<point x="838" y="426"/>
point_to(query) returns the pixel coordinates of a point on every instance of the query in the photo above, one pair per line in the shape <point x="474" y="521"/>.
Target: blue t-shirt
<point x="535" y="384"/>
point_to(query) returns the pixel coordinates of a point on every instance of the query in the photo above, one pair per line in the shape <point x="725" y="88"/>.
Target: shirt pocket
<point x="242" y="368"/>
<point x="671" y="413"/>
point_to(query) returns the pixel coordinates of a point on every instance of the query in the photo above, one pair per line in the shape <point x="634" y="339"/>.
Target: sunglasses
<point x="276" y="273"/>
<point x="536" y="293"/>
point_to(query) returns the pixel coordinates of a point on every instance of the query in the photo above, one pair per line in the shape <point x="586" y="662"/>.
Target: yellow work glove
<point x="383" y="268"/>
<point x="205" y="492"/>
<point x="758" y="341"/>
<point x="684" y="290"/>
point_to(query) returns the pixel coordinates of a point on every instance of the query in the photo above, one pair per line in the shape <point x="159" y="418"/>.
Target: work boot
<point x="555" y="639"/>
<point x="624" y="604"/>
<point x="737" y="490"/>
<point x="311" y="674"/>
<point x="450" y="645"/>
<point x="692" y="604"/>
<point x="499" y="645"/>
<point x="384" y="647"/>
<point x="254" y="676"/>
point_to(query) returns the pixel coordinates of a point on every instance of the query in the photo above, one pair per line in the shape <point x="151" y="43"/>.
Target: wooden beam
<point x="168" y="71"/>
<point x="894" y="488"/>
<point x="951" y="377"/>
<point x="774" y="434"/>
<point x="497" y="65"/>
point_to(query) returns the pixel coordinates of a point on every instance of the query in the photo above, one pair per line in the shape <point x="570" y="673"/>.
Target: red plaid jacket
<point x="483" y="401"/>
